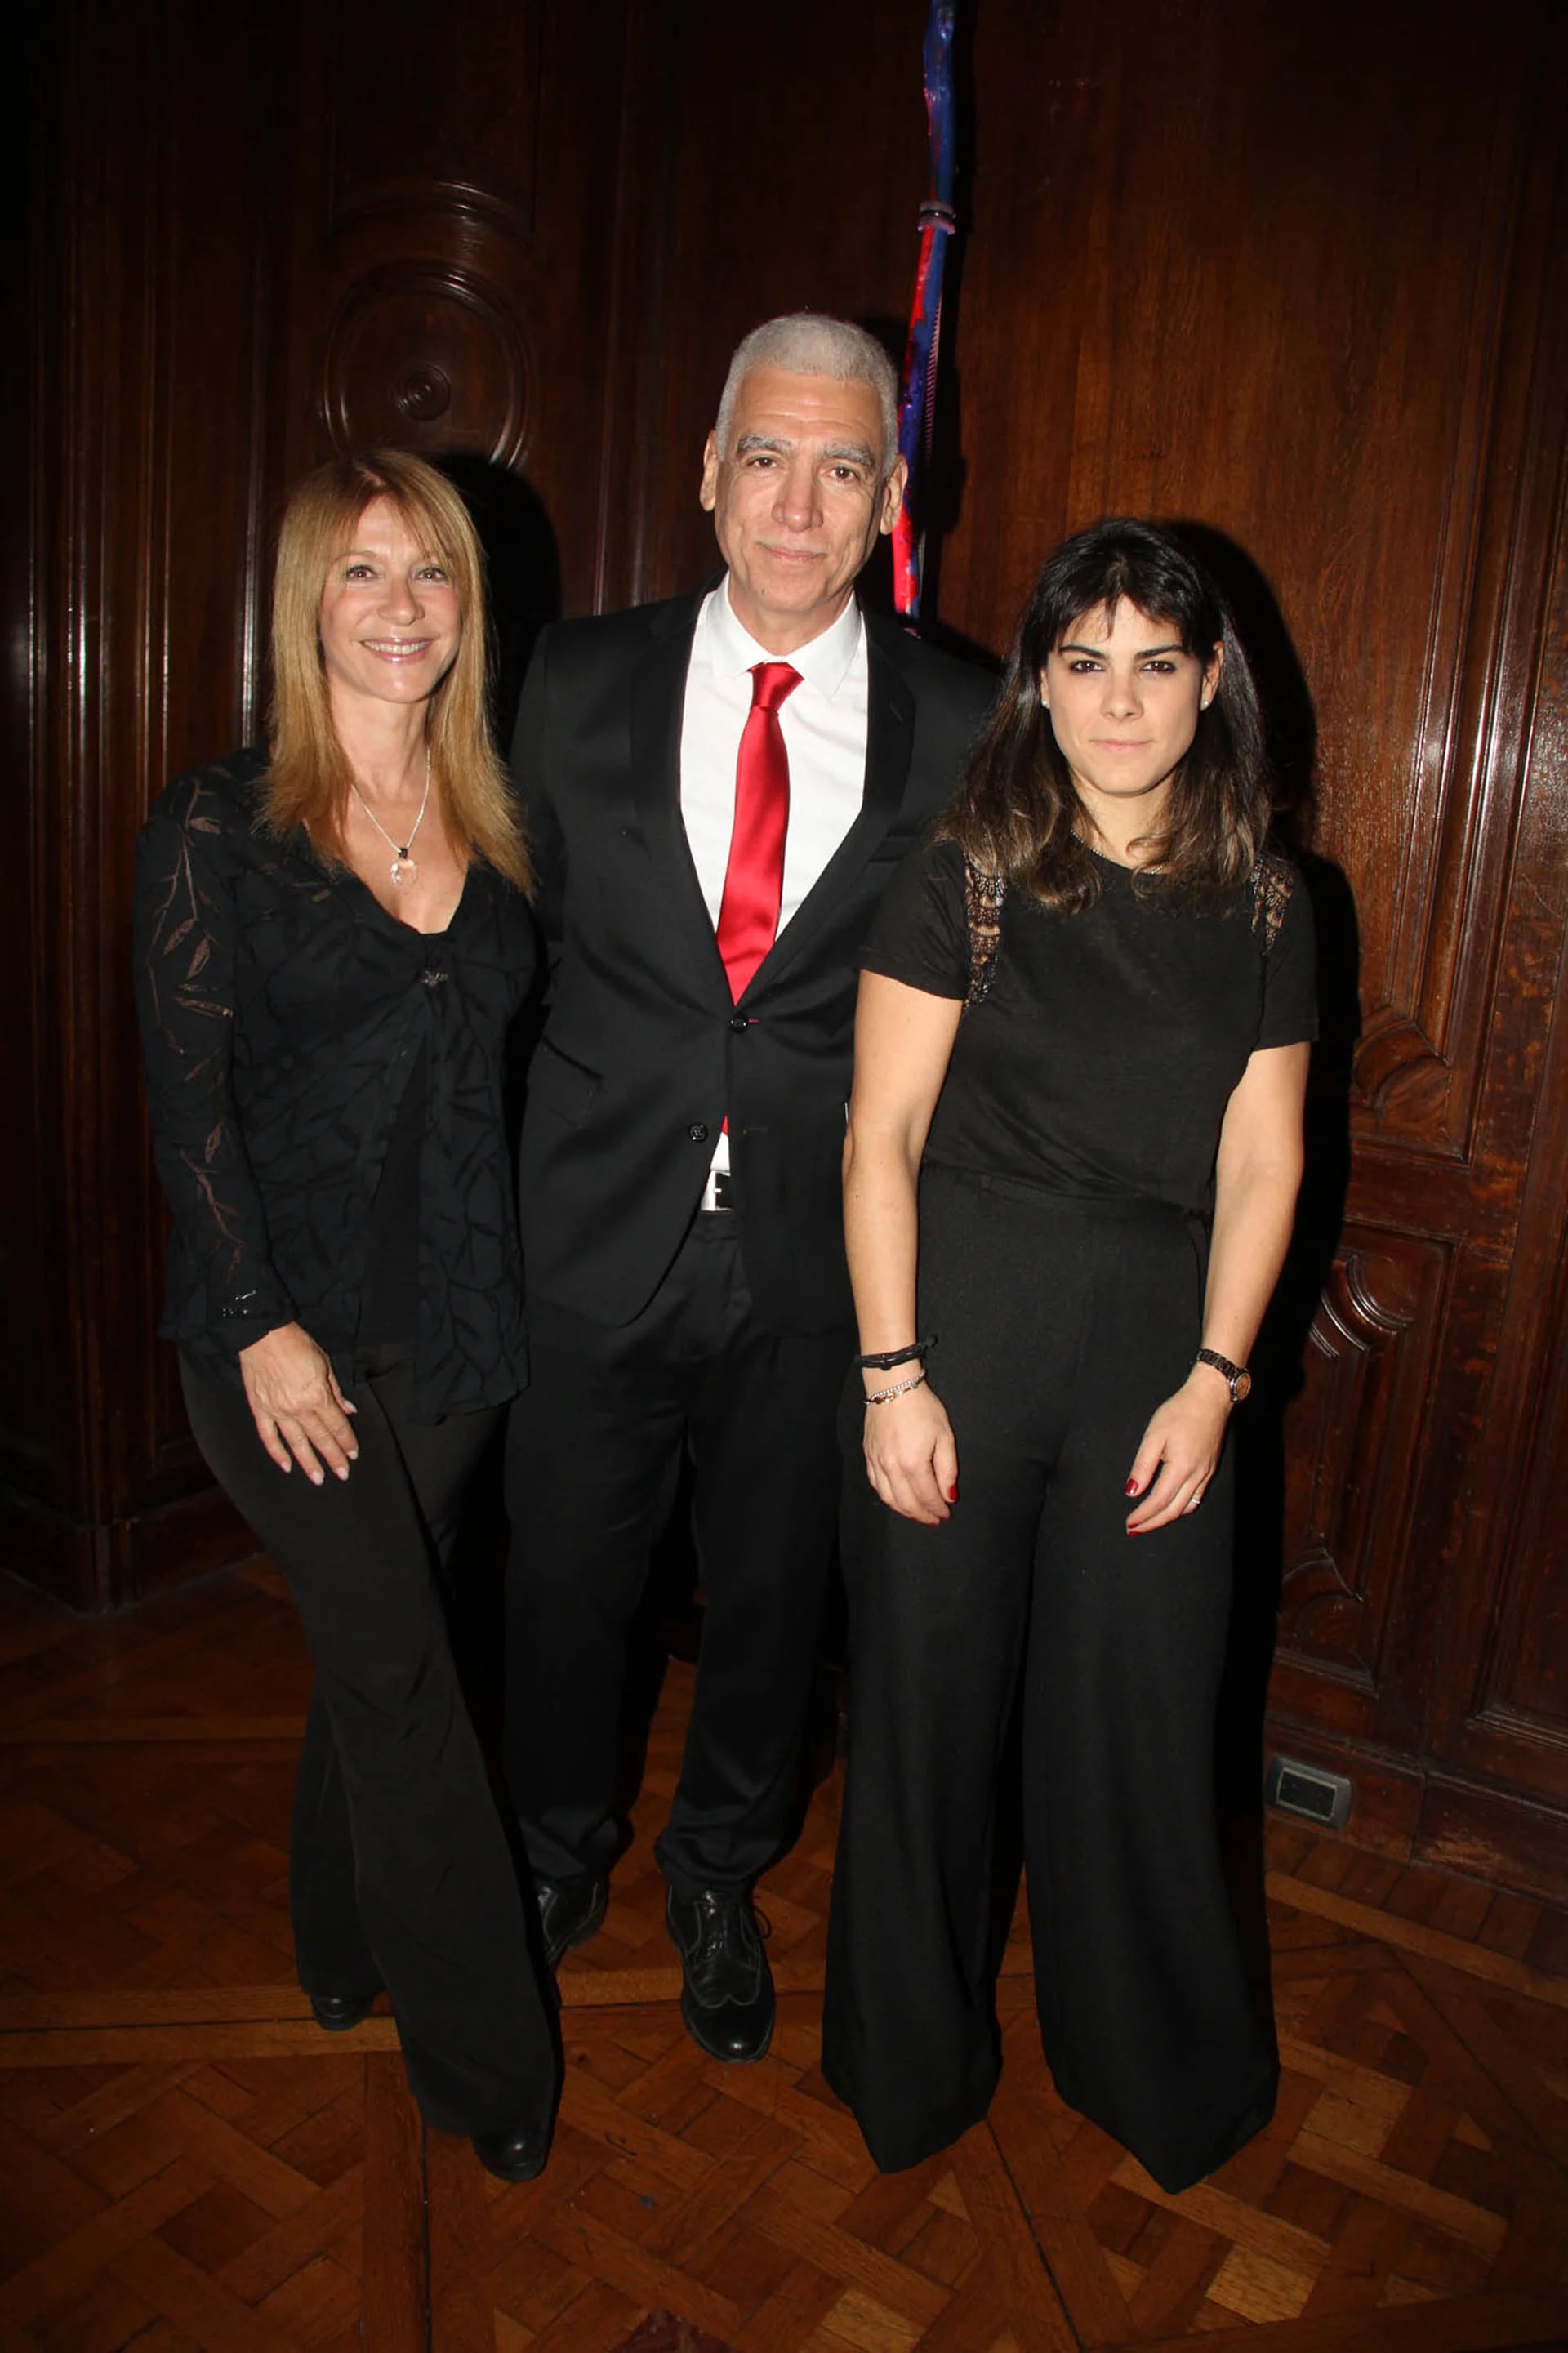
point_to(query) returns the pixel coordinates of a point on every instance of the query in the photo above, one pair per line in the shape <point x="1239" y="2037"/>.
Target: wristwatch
<point x="1236" y="1378"/>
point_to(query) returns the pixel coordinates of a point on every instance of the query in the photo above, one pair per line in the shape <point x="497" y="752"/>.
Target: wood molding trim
<point x="1416" y="1814"/>
<point x="90" y="1566"/>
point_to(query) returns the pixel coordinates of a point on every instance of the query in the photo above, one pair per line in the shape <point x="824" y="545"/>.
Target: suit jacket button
<point x="739" y="1022"/>
<point x="698" y="1132"/>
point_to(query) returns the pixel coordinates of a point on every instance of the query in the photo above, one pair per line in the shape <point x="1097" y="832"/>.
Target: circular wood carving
<point x="427" y="358"/>
<point x="425" y="392"/>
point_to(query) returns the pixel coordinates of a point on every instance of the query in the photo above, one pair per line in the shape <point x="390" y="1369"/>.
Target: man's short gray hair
<point x="805" y="343"/>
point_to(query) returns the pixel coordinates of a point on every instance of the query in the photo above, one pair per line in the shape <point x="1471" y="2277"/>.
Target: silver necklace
<point x="404" y="869"/>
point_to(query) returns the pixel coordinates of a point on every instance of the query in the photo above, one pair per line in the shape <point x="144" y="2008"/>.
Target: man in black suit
<point x="717" y="789"/>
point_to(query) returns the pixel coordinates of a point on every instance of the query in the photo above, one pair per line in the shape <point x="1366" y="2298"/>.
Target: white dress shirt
<point x="824" y="727"/>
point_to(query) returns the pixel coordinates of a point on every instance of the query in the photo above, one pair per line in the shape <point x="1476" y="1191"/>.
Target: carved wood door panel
<point x="1209" y="276"/>
<point x="1439" y="1643"/>
<point x="1500" y="1714"/>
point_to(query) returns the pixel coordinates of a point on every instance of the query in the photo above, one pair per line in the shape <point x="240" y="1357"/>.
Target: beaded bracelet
<point x="899" y="1388"/>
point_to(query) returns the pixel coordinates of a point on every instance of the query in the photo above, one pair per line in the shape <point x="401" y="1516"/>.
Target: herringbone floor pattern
<point x="185" y="2161"/>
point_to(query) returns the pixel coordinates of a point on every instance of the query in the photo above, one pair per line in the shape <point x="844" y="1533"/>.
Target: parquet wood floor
<point x="186" y="2161"/>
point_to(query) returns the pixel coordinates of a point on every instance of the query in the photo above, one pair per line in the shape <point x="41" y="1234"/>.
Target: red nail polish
<point x="1132" y="1486"/>
<point x="952" y="1495"/>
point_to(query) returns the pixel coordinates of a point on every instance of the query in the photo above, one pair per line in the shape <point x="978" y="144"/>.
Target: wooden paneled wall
<point x="1293" y="276"/>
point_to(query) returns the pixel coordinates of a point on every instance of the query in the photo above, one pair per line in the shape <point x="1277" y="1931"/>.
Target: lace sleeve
<point x="982" y="896"/>
<point x="1273" y="882"/>
<point x="184" y="959"/>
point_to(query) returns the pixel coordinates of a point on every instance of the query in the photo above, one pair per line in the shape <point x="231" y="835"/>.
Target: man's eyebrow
<point x="855" y="453"/>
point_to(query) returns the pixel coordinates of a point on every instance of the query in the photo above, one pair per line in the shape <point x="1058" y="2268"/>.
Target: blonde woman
<point x="332" y="937"/>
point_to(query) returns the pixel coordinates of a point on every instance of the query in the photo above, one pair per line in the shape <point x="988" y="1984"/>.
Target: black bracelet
<point x="894" y="1357"/>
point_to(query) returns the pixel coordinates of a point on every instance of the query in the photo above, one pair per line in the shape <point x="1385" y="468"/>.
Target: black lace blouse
<point x="282" y="1012"/>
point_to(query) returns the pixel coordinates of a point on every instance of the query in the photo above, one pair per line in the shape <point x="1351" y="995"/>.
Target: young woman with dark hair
<point x="1074" y="1150"/>
<point x="1020" y="813"/>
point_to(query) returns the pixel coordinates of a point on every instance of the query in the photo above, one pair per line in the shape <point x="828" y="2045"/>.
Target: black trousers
<point x="1060" y="1325"/>
<point x="591" y="1449"/>
<point x="400" y="1872"/>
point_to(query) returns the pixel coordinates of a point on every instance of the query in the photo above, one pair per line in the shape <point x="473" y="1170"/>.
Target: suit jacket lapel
<point x="658" y="697"/>
<point x="889" y="740"/>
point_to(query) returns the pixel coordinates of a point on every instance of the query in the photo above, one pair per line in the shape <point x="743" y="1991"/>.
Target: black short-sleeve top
<point x="1102" y="1047"/>
<point x="283" y="1015"/>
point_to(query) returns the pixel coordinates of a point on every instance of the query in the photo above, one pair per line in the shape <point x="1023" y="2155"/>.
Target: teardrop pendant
<point x="404" y="869"/>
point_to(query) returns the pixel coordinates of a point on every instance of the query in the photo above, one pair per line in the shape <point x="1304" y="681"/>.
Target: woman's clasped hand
<point x="301" y="1414"/>
<point x="912" y="1455"/>
<point x="1179" y="1452"/>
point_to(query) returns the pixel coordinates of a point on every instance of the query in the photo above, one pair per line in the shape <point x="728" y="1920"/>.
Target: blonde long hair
<point x="307" y="780"/>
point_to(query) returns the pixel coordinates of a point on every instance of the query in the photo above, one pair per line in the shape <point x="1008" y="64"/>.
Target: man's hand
<point x="299" y="1410"/>
<point x="912" y="1456"/>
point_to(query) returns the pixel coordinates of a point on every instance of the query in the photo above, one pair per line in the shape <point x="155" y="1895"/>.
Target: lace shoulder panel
<point x="1273" y="882"/>
<point x="984" y="895"/>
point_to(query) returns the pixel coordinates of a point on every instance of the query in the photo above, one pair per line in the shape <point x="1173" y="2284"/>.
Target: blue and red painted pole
<point x="918" y="393"/>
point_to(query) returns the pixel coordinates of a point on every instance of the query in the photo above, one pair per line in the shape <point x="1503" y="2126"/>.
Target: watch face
<point x="1241" y="1387"/>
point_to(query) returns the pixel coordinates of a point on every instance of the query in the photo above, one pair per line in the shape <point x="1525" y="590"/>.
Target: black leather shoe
<point x="337" y="2012"/>
<point x="727" y="1999"/>
<point x="514" y="2156"/>
<point x="569" y="1914"/>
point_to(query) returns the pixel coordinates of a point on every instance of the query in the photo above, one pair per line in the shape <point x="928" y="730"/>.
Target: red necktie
<point x="753" y="879"/>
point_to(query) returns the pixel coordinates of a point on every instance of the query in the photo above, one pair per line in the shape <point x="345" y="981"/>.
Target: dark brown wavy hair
<point x="1017" y="811"/>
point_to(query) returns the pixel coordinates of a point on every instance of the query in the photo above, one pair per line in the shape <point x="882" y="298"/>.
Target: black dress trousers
<point x="400" y="1872"/>
<point x="592" y="1446"/>
<point x="1061" y="1326"/>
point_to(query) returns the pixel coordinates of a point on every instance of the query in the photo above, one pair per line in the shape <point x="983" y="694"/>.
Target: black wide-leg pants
<point x="400" y="1872"/>
<point x="1061" y="1326"/>
<point x="592" y="1448"/>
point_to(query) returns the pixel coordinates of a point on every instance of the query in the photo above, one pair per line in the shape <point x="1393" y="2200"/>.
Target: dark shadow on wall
<point x="523" y="582"/>
<point x="1280" y="1356"/>
<point x="939" y="491"/>
<point x="1279" y="1361"/>
<point x="522" y="569"/>
<point x="1290" y="718"/>
<point x="523" y="572"/>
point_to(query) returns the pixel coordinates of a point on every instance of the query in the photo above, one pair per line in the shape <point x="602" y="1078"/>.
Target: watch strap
<point x="1237" y="1380"/>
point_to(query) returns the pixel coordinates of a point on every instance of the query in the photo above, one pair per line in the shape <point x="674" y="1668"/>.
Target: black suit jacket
<point x="643" y="1053"/>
